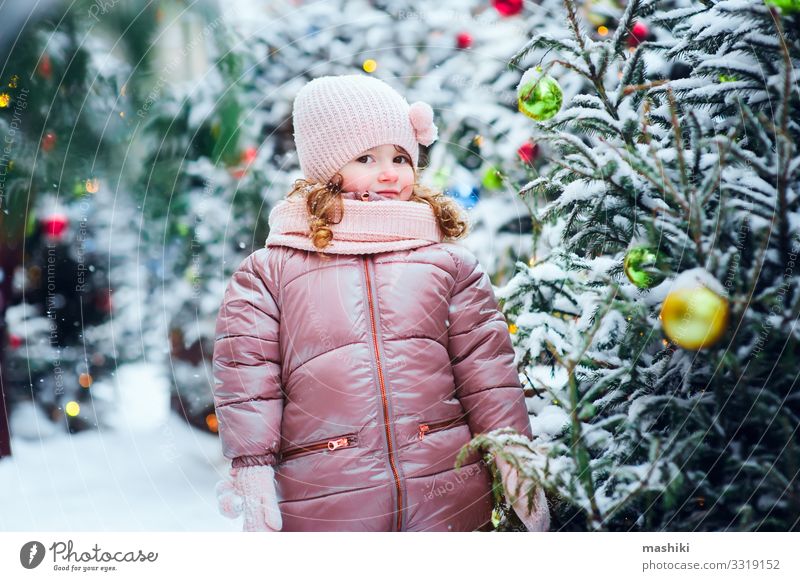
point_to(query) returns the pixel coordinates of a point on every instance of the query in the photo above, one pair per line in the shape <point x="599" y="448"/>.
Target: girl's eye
<point x="402" y="158"/>
<point x="363" y="158"/>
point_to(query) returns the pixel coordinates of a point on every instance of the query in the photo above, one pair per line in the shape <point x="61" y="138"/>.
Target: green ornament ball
<point x="539" y="96"/>
<point x="645" y="267"/>
<point x="441" y="178"/>
<point x="492" y="179"/>
<point x="786" y="6"/>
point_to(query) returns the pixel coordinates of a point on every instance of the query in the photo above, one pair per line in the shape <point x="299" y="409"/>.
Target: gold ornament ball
<point x="694" y="317"/>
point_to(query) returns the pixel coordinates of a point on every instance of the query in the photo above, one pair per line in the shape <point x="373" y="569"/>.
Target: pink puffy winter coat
<point x="361" y="374"/>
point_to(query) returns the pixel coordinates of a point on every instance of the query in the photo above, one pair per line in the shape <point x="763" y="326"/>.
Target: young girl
<point x="361" y="349"/>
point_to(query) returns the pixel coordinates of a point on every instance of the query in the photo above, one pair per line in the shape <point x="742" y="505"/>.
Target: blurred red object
<point x="464" y="40"/>
<point x="528" y="152"/>
<point x="508" y="7"/>
<point x="639" y="32"/>
<point x="14" y="341"/>
<point x="55" y="224"/>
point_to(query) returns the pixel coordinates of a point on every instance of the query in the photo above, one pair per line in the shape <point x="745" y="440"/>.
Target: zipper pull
<point x="365" y="196"/>
<point x="333" y="444"/>
<point x="422" y="430"/>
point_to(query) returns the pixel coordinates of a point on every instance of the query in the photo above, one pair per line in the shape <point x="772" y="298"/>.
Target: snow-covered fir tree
<point x="64" y="111"/>
<point x="657" y="333"/>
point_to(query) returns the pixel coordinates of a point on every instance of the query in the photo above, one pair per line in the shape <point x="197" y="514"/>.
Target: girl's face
<point x="383" y="170"/>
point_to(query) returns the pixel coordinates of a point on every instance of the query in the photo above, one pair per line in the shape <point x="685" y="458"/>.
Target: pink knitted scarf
<point x="366" y="228"/>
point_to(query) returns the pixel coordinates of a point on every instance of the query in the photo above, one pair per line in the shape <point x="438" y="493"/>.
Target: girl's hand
<point x="539" y="519"/>
<point x="251" y="491"/>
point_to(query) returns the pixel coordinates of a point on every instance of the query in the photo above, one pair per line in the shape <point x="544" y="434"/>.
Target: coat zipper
<point x="383" y="397"/>
<point x="430" y="427"/>
<point x="333" y="444"/>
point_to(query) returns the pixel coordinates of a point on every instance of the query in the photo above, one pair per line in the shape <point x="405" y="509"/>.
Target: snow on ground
<point x="151" y="472"/>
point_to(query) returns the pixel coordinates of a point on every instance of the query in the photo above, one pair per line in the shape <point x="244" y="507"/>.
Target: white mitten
<point x="251" y="490"/>
<point x="539" y="519"/>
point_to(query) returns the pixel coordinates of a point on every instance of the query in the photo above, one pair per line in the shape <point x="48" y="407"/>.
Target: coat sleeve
<point x="246" y="366"/>
<point x="481" y="353"/>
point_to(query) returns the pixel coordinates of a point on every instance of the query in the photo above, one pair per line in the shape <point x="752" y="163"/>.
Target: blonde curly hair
<point x="325" y="207"/>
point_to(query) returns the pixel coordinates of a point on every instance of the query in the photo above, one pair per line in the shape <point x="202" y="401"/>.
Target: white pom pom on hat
<point x="338" y="117"/>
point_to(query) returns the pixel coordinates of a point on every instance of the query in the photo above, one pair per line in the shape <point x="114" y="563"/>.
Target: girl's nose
<point x="387" y="175"/>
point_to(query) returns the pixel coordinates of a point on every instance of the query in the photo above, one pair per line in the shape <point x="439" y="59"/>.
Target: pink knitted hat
<point x="337" y="117"/>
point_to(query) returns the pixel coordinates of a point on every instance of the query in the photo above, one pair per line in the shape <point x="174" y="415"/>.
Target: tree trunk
<point x="9" y="258"/>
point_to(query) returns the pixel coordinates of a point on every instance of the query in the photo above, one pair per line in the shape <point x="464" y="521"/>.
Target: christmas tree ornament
<point x="72" y="408"/>
<point x="694" y="315"/>
<point x="464" y="40"/>
<point x="645" y="267"/>
<point x="48" y="141"/>
<point x="92" y="185"/>
<point x="507" y="7"/>
<point x="13" y="81"/>
<point x="492" y="179"/>
<point x="249" y="155"/>
<point x="45" y="68"/>
<point x="5" y="100"/>
<point x="639" y="32"/>
<point x="370" y="65"/>
<point x="786" y="6"/>
<point x="727" y="78"/>
<point x="85" y="380"/>
<point x="441" y="177"/>
<point x="212" y="423"/>
<point x="465" y="194"/>
<point x="55" y="224"/>
<point x="14" y="340"/>
<point x="539" y="95"/>
<point x="528" y="152"/>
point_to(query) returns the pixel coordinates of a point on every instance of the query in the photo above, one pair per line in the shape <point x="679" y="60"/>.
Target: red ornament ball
<point x="55" y="224"/>
<point x="464" y="40"/>
<point x="14" y="341"/>
<point x="48" y="141"/>
<point x="639" y="32"/>
<point x="249" y="154"/>
<point x="45" y="68"/>
<point x="528" y="152"/>
<point x="508" y="7"/>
